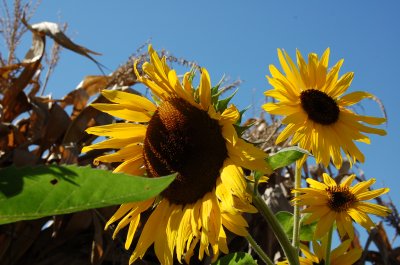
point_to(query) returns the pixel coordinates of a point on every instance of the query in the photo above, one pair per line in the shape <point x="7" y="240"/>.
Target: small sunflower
<point x="182" y="133"/>
<point x="328" y="202"/>
<point x="341" y="255"/>
<point x="317" y="115"/>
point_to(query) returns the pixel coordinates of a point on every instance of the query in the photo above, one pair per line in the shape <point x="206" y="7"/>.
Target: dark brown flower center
<point x="340" y="198"/>
<point x="320" y="107"/>
<point x="182" y="138"/>
<point x="321" y="262"/>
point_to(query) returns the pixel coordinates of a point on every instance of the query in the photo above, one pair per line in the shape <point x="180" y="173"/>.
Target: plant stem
<point x="259" y="250"/>
<point x="290" y="252"/>
<point x="296" y="210"/>
<point x="328" y="247"/>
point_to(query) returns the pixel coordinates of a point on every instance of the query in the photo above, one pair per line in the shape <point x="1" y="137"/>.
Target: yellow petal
<point x="122" y="112"/>
<point x="151" y="229"/>
<point x="342" y="85"/>
<point x="373" y="208"/>
<point x="129" y="152"/>
<point x="341" y="249"/>
<point x="133" y="166"/>
<point x="113" y="143"/>
<point x="118" y="130"/>
<point x="235" y="223"/>
<point x="347" y="181"/>
<point x="353" y="98"/>
<point x="131" y="231"/>
<point x="362" y="186"/>
<point x="328" y="180"/>
<point x="316" y="184"/>
<point x="289" y="130"/>
<point x="230" y="115"/>
<point x="183" y="234"/>
<point x="232" y="177"/>
<point x="347" y="223"/>
<point x="349" y="258"/>
<point x="122" y="210"/>
<point x="368" y="195"/>
<point x="332" y="77"/>
<point x="325" y="224"/>
<point x="371" y="120"/>
<point x="248" y="156"/>
<point x="322" y="69"/>
<point x="160" y="69"/>
<point x="205" y="89"/>
<point x="134" y="101"/>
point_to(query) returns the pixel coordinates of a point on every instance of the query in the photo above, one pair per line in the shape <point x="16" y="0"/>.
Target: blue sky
<point x="239" y="39"/>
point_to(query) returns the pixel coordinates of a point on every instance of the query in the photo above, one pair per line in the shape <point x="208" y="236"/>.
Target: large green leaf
<point x="286" y="157"/>
<point x="306" y="230"/>
<point x="30" y="193"/>
<point x="237" y="258"/>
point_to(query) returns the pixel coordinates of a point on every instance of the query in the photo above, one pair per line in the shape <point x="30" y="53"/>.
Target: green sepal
<point x="215" y="93"/>
<point x="223" y="103"/>
<point x="239" y="121"/>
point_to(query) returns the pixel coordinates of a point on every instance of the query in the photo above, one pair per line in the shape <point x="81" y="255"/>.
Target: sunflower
<point x="341" y="255"/>
<point x="184" y="133"/>
<point x="316" y="114"/>
<point x="328" y="202"/>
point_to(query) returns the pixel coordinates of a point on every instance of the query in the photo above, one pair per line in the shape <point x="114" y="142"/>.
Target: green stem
<point x="328" y="247"/>
<point x="296" y="210"/>
<point x="290" y="252"/>
<point x="259" y="250"/>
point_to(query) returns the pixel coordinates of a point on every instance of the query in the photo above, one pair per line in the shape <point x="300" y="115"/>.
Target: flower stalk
<point x="328" y="247"/>
<point x="290" y="251"/>
<point x="296" y="211"/>
<point x="259" y="250"/>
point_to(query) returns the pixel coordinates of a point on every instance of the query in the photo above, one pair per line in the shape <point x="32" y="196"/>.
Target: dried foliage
<point x="37" y="129"/>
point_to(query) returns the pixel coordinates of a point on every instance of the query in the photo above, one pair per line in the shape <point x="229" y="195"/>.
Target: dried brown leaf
<point x="23" y="157"/>
<point x="97" y="254"/>
<point x="35" y="53"/>
<point x="6" y="70"/>
<point x="53" y="31"/>
<point x="14" y="104"/>
<point x="23" y="235"/>
<point x="31" y="62"/>
<point x="90" y="86"/>
<point x="56" y="126"/>
<point x="93" y="84"/>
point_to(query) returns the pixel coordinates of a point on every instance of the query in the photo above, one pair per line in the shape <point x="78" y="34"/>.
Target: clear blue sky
<point x="239" y="39"/>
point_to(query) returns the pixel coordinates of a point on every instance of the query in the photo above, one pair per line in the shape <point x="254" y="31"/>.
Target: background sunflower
<point x="316" y="113"/>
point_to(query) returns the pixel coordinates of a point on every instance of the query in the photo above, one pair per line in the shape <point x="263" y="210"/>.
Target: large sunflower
<point x="341" y="255"/>
<point x="182" y="133"/>
<point x="329" y="202"/>
<point x="317" y="115"/>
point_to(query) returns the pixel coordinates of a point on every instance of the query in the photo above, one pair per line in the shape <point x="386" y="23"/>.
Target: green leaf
<point x="286" y="157"/>
<point x="237" y="258"/>
<point x="35" y="192"/>
<point x="286" y="220"/>
<point x="306" y="230"/>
